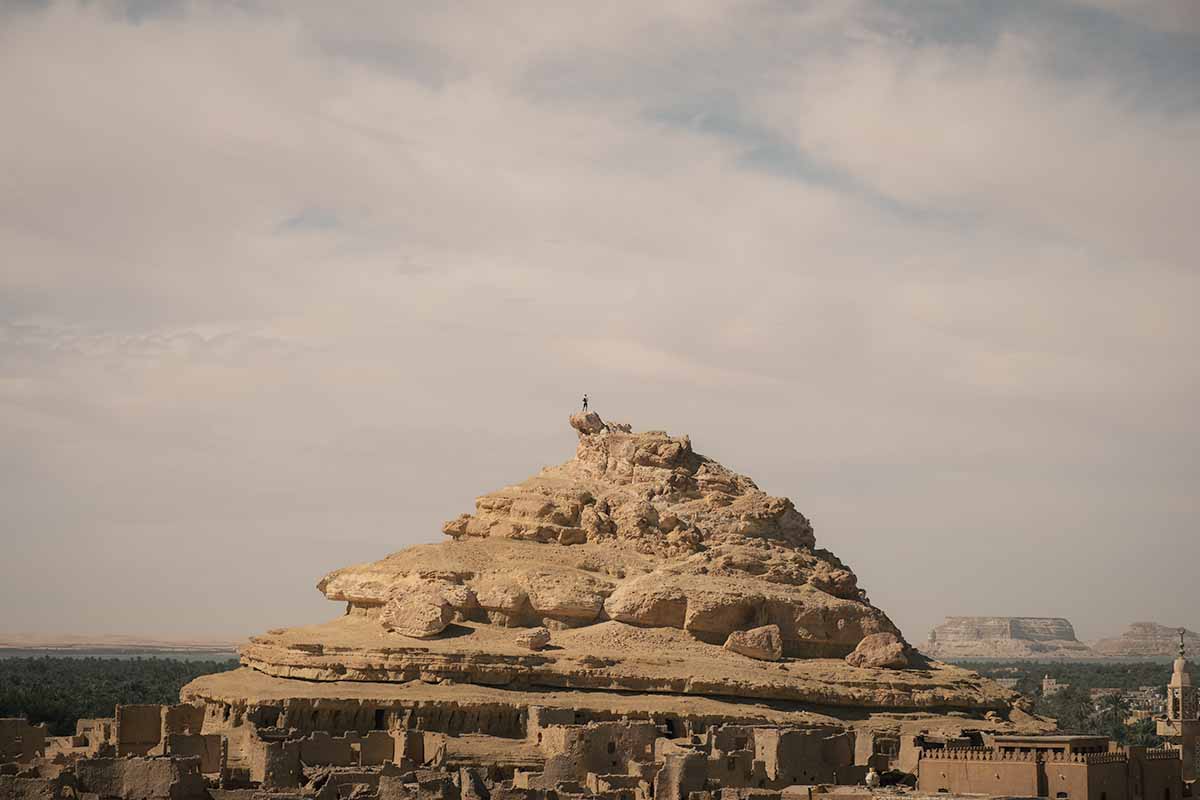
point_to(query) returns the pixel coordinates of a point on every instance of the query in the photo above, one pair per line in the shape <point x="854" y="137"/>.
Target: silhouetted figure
<point x="585" y="404"/>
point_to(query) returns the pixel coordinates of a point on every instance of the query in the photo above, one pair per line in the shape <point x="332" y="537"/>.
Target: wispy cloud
<point x="315" y="274"/>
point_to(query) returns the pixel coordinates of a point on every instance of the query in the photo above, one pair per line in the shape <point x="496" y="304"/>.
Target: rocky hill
<point x="1147" y="640"/>
<point x="640" y="566"/>
<point x="981" y="638"/>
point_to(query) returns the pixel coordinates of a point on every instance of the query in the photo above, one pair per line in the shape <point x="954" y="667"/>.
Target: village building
<point x="1182" y="724"/>
<point x="1059" y="767"/>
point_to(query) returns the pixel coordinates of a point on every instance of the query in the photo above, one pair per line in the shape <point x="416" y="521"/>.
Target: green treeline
<point x="59" y="691"/>
<point x="1073" y="707"/>
<point x="1080" y="674"/>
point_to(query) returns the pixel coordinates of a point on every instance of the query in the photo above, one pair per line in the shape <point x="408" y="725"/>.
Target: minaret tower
<point x="1182" y="725"/>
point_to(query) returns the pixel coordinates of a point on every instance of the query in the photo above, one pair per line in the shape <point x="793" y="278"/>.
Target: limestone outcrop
<point x="880" y="651"/>
<point x="765" y="643"/>
<point x="419" y="614"/>
<point x="1147" y="640"/>
<point x="534" y="638"/>
<point x="1004" y="637"/>
<point x="653" y="567"/>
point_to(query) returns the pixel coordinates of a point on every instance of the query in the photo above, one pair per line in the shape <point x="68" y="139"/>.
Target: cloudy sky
<point x="283" y="285"/>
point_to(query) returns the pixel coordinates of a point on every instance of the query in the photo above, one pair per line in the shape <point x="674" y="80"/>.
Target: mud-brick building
<point x="1057" y="767"/>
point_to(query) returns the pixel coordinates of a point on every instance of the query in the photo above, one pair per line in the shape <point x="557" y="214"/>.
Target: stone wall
<point x="681" y="774"/>
<point x="340" y="716"/>
<point x="1129" y="774"/>
<point x="602" y="747"/>
<point x="137" y="729"/>
<point x="20" y="741"/>
<point x="973" y="772"/>
<point x="207" y="748"/>
<point x="142" y="778"/>
<point x="22" y="788"/>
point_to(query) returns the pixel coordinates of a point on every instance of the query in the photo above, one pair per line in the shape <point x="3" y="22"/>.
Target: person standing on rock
<point x="585" y="404"/>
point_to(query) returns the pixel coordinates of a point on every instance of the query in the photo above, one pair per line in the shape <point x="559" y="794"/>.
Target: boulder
<point x="764" y="643"/>
<point x="533" y="638"/>
<point x="420" y="613"/>
<point x="587" y="423"/>
<point x="879" y="651"/>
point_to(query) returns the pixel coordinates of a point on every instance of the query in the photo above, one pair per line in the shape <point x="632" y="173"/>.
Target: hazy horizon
<point x="285" y="285"/>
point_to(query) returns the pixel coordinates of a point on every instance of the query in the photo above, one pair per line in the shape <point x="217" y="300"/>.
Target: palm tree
<point x="1116" y="708"/>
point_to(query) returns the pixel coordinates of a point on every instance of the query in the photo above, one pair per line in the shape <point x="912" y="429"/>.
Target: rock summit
<point x="638" y="565"/>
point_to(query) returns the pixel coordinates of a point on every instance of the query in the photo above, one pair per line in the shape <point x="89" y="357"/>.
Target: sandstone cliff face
<point x="1005" y="637"/>
<point x="1147" y="640"/>
<point x="678" y="541"/>
<point x="642" y="559"/>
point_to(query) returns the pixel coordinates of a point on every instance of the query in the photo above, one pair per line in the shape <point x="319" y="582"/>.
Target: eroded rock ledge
<point x="642" y="558"/>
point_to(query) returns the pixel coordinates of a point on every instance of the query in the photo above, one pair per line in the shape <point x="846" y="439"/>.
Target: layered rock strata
<point x="960" y="638"/>
<point x="1147" y="640"/>
<point x="651" y="567"/>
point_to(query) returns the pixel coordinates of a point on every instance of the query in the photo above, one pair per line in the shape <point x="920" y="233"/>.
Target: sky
<point x="285" y="284"/>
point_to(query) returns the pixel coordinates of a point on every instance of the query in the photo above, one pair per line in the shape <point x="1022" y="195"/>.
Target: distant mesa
<point x="85" y="643"/>
<point x="981" y="638"/>
<point x="1147" y="640"/>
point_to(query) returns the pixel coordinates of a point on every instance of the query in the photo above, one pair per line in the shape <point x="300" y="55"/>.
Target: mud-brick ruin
<point x="639" y="622"/>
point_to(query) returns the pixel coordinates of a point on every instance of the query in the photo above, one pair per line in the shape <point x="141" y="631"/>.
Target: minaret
<point x="1182" y="725"/>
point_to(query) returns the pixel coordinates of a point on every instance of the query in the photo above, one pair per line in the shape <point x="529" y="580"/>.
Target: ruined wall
<point x="206" y="748"/>
<point x="138" y="729"/>
<point x="20" y="741"/>
<point x="273" y="764"/>
<point x="319" y="748"/>
<point x="96" y="735"/>
<point x="601" y="747"/>
<point x="379" y="746"/>
<point x="336" y="717"/>
<point x="14" y="788"/>
<point x="682" y="773"/>
<point x="181" y="719"/>
<point x="737" y="768"/>
<point x="804" y="756"/>
<point x="142" y="778"/>
<point x="883" y="751"/>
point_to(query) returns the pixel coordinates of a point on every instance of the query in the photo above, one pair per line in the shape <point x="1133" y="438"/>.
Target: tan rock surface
<point x="643" y="558"/>
<point x="765" y="643"/>
<point x="419" y="614"/>
<point x="533" y="638"/>
<point x="247" y="693"/>
<point x="607" y="656"/>
<point x="881" y="651"/>
<point x="1147" y="640"/>
<point x="1005" y="638"/>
